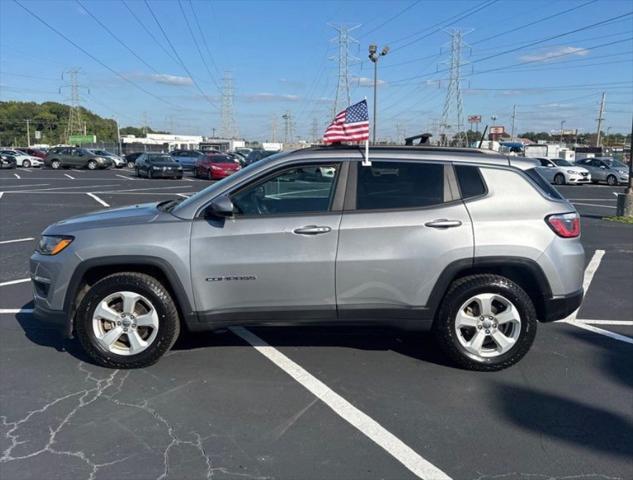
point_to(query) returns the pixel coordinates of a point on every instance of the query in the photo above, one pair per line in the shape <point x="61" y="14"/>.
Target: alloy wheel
<point x="487" y="325"/>
<point x="125" y="323"/>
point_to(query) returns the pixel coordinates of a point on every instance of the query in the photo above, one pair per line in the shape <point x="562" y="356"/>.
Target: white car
<point x="562" y="172"/>
<point x="119" y="162"/>
<point x="22" y="159"/>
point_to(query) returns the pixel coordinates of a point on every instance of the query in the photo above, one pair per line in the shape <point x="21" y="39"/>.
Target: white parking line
<point x="24" y="186"/>
<point x="16" y="310"/>
<point x="182" y="195"/>
<point x="593" y="205"/>
<point x="590" y="199"/>
<point x="607" y="322"/>
<point x="365" y="424"/>
<point x="606" y="333"/>
<point x="98" y="199"/>
<point x="72" y="178"/>
<point x="188" y="179"/>
<point x="75" y="170"/>
<point x="28" y="239"/>
<point x="1" y="193"/>
<point x="24" y="169"/>
<point x="15" y="282"/>
<point x="123" y="176"/>
<point x="143" y="189"/>
<point x="17" y="176"/>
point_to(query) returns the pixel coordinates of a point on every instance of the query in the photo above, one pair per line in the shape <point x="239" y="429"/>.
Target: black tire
<point x="458" y="293"/>
<point x="150" y="174"/>
<point x="138" y="173"/>
<point x="559" y="179"/>
<point x="154" y="291"/>
<point x="595" y="182"/>
<point x="55" y="164"/>
<point x="26" y="163"/>
<point x="92" y="165"/>
<point x="209" y="175"/>
<point x="612" y="180"/>
<point x="178" y="177"/>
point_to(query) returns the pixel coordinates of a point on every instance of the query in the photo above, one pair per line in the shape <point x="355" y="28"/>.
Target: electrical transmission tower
<point x="401" y="131"/>
<point x="342" y="98"/>
<point x="75" y="125"/>
<point x="288" y="128"/>
<point x="315" y="130"/>
<point x="229" y="127"/>
<point x="453" y="112"/>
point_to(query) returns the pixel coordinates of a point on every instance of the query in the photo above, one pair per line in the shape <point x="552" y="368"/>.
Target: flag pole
<point x="366" y="161"/>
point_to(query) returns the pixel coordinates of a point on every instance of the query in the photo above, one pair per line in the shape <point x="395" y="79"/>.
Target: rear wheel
<point x="92" y="165"/>
<point x="611" y="180"/>
<point x="131" y="164"/>
<point x="485" y="323"/>
<point x="127" y="320"/>
<point x="55" y="164"/>
<point x="150" y="174"/>
<point x="209" y="175"/>
<point x="26" y="163"/>
<point x="559" y="179"/>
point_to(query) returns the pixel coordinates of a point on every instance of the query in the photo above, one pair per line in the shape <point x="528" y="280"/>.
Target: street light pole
<point x="374" y="56"/>
<point x="562" y="123"/>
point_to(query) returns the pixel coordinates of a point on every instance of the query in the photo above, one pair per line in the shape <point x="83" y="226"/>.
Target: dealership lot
<point x="387" y="407"/>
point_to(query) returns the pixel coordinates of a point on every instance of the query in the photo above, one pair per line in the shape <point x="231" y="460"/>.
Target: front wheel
<point x="612" y="181"/>
<point x="485" y="323"/>
<point x="92" y="165"/>
<point x="559" y="179"/>
<point x="26" y="163"/>
<point x="131" y="164"/>
<point x="55" y="164"/>
<point x="127" y="320"/>
<point x="209" y="175"/>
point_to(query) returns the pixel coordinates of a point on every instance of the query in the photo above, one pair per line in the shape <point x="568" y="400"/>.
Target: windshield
<point x="104" y="153"/>
<point x="159" y="158"/>
<point x="614" y="163"/>
<point x="562" y="163"/>
<point x="236" y="176"/>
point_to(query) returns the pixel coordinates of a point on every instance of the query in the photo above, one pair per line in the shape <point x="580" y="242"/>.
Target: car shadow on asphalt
<point x="565" y="419"/>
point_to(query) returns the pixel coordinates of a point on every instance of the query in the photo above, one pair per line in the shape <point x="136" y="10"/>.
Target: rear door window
<point x="399" y="185"/>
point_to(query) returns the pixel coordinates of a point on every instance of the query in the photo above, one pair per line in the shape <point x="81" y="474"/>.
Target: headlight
<point x="52" y="245"/>
<point x="572" y="172"/>
<point x="155" y="168"/>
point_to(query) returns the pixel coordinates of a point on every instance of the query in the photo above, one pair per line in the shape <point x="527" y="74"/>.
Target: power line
<point x="204" y="38"/>
<point x="531" y="44"/>
<point x="113" y="35"/>
<point x="441" y="25"/>
<point x="393" y="17"/>
<point x="182" y="63"/>
<point x="85" y="52"/>
<point x="577" y="7"/>
<point x="148" y="31"/>
<point x="197" y="46"/>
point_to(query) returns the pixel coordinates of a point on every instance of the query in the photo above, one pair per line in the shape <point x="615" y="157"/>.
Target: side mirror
<point x="603" y="167"/>
<point x="220" y="207"/>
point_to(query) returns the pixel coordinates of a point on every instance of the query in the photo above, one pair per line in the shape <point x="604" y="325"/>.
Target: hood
<point x="576" y="169"/>
<point x="135" y="214"/>
<point x="225" y="166"/>
<point x="164" y="164"/>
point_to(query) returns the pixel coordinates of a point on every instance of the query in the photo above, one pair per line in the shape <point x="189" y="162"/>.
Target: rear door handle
<point x="443" y="223"/>
<point x="312" y="230"/>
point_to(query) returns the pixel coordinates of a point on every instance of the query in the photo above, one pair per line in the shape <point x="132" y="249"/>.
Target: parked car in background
<point x="257" y="155"/>
<point x="186" y="158"/>
<point x="216" y="166"/>
<point x="561" y="172"/>
<point x="240" y="157"/>
<point x="605" y="169"/>
<point x="33" y="152"/>
<point x="75" y="157"/>
<point x="22" y="159"/>
<point x="157" y="165"/>
<point x="119" y="162"/>
<point x="130" y="158"/>
<point x="7" y="161"/>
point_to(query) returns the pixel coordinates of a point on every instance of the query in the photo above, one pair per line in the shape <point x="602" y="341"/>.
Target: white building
<point x="163" y="141"/>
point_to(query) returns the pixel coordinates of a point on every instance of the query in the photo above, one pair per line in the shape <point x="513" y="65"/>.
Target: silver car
<point x="562" y="172"/>
<point x="474" y="246"/>
<point x="605" y="169"/>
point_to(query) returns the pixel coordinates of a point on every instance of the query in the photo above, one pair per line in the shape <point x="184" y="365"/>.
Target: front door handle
<point x="312" y="230"/>
<point x="443" y="223"/>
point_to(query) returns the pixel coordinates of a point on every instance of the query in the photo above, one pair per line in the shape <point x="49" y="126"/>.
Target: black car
<point x="157" y="165"/>
<point x="257" y="155"/>
<point x="130" y="158"/>
<point x="7" y="161"/>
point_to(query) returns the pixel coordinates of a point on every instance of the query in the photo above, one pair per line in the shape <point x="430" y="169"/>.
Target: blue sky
<point x="279" y="56"/>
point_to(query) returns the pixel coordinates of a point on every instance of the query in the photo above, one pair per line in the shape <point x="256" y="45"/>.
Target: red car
<point x="216" y="166"/>
<point x="34" y="152"/>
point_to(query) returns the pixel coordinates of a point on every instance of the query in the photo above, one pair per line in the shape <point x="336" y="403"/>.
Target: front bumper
<point x="579" y="179"/>
<point x="55" y="319"/>
<point x="561" y="306"/>
<point x="166" y="173"/>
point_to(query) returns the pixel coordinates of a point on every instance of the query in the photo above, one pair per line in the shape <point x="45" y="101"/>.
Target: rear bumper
<point x="559" y="307"/>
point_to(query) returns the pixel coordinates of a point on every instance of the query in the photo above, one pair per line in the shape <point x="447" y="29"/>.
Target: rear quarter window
<point x="543" y="185"/>
<point x="471" y="184"/>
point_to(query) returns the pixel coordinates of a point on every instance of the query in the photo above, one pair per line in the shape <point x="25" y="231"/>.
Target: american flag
<point x="351" y="125"/>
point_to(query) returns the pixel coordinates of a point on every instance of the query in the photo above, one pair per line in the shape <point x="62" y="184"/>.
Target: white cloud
<point x="366" y="82"/>
<point x="544" y="56"/>
<point x="167" y="79"/>
<point x="271" y="97"/>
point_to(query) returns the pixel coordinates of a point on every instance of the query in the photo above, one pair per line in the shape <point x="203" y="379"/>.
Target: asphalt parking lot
<point x="242" y="404"/>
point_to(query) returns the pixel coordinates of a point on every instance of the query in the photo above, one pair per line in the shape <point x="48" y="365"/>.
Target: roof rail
<point x="419" y="148"/>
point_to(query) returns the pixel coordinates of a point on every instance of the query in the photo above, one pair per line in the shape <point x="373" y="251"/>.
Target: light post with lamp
<point x="374" y="56"/>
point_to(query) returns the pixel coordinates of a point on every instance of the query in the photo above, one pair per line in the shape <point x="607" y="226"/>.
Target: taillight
<point x="566" y="225"/>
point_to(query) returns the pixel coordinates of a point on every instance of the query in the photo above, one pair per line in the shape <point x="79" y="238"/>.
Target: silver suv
<point x="474" y="246"/>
